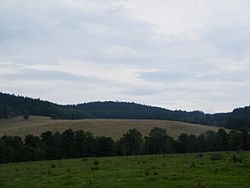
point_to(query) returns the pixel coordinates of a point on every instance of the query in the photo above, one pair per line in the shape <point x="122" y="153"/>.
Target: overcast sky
<point x="177" y="54"/>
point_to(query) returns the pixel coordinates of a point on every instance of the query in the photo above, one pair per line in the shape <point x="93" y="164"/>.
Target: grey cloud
<point x="66" y="31"/>
<point x="140" y="92"/>
<point x="231" y="40"/>
<point x="229" y="76"/>
<point x="99" y="31"/>
<point x="36" y="75"/>
<point x="166" y="76"/>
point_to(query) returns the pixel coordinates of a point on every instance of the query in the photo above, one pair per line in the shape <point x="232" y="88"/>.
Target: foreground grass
<point x="177" y="170"/>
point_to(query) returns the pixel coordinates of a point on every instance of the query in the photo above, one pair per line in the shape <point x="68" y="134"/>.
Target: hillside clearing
<point x="114" y="128"/>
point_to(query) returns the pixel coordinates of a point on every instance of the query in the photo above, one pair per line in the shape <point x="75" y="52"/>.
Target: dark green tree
<point x="84" y="144"/>
<point x="104" y="146"/>
<point x="234" y="140"/>
<point x="183" y="143"/>
<point x="131" y="143"/>
<point x="28" y="154"/>
<point x="245" y="139"/>
<point x="49" y="145"/>
<point x="68" y="144"/>
<point x="32" y="141"/>
<point x="222" y="140"/>
<point x="192" y="144"/>
<point x="8" y="154"/>
<point x="158" y="141"/>
<point x="6" y="112"/>
<point x="201" y="143"/>
<point x="16" y="143"/>
<point x="26" y="114"/>
<point x="211" y="141"/>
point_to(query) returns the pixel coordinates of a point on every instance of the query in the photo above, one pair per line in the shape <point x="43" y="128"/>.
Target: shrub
<point x="192" y="165"/>
<point x="68" y="170"/>
<point x="236" y="159"/>
<point x="49" y="172"/>
<point x="216" y="170"/>
<point x="164" y="177"/>
<point x="94" y="168"/>
<point x="155" y="173"/>
<point x="151" y="178"/>
<point x="202" y="163"/>
<point x="96" y="162"/>
<point x="200" y="185"/>
<point x="217" y="157"/>
<point x="147" y="172"/>
<point x="199" y="155"/>
<point x="53" y="166"/>
<point x="84" y="159"/>
<point x="1" y="183"/>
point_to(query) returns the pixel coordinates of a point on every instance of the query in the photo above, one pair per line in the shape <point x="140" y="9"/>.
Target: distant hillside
<point x="12" y="106"/>
<point x="114" y="128"/>
<point x="240" y="117"/>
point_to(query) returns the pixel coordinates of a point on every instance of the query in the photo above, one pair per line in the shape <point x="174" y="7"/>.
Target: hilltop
<point x="12" y="106"/>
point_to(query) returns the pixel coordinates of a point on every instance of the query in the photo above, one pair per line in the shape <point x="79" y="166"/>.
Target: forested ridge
<point x="12" y="105"/>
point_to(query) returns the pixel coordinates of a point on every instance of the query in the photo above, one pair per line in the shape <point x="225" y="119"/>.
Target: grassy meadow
<point x="114" y="128"/>
<point x="207" y="170"/>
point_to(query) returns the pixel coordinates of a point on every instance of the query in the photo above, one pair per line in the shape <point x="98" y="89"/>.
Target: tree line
<point x="76" y="144"/>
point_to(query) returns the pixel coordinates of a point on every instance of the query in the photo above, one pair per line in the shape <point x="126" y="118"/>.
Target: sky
<point x="176" y="54"/>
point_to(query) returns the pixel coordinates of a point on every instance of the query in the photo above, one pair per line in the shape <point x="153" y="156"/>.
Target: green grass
<point x="175" y="170"/>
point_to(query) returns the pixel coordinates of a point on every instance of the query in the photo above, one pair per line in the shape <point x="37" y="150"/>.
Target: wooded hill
<point x="12" y="105"/>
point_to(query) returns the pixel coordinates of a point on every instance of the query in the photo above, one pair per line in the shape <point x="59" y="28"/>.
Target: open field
<point x="173" y="170"/>
<point x="101" y="127"/>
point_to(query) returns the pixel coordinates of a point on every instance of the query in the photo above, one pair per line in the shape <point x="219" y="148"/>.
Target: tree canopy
<point x="75" y="144"/>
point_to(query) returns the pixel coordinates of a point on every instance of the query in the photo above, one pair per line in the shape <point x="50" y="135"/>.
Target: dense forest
<point x="11" y="106"/>
<point x="70" y="144"/>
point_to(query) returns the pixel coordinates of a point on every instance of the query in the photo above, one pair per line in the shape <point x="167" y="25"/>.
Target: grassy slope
<point x="114" y="128"/>
<point x="179" y="170"/>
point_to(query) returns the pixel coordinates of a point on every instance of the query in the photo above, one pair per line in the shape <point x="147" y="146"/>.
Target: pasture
<point x="207" y="170"/>
<point x="114" y="128"/>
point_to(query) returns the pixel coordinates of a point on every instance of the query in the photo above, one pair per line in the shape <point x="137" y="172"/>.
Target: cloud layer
<point x="174" y="54"/>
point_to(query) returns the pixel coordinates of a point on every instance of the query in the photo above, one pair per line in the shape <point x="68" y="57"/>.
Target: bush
<point x="96" y="162"/>
<point x="192" y="165"/>
<point x="94" y="168"/>
<point x="84" y="159"/>
<point x="216" y="170"/>
<point x="147" y="172"/>
<point x="199" y="155"/>
<point x="164" y="177"/>
<point x="49" y="172"/>
<point x="155" y="173"/>
<point x="200" y="185"/>
<point x="217" y="157"/>
<point x="1" y="183"/>
<point x="236" y="159"/>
